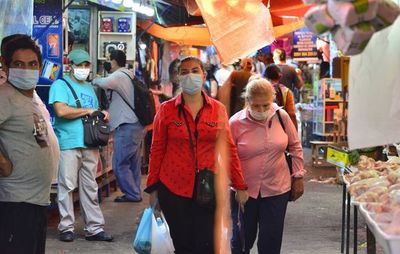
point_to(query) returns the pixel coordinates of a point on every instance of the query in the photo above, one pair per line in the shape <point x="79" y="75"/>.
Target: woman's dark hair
<point x="119" y="56"/>
<point x="14" y="42"/>
<point x="272" y="72"/>
<point x="192" y="58"/>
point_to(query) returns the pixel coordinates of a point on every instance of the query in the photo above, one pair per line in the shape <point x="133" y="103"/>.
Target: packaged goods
<point x="318" y="20"/>
<point x="387" y="13"/>
<point x="124" y="25"/>
<point x="353" y="40"/>
<point x="351" y="13"/>
<point x="107" y="24"/>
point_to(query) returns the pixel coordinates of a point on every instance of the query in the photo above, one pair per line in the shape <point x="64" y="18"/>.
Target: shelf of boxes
<point x="328" y="106"/>
<point x="117" y="30"/>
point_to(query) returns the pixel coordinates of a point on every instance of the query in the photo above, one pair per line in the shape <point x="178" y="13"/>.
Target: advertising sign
<point x="47" y="31"/>
<point x="304" y="45"/>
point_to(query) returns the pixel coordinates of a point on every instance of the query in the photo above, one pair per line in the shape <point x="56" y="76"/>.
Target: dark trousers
<point x="22" y="228"/>
<point x="266" y="214"/>
<point x="191" y="226"/>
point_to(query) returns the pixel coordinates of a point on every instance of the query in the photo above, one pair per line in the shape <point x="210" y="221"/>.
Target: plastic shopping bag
<point x="142" y="243"/>
<point x="161" y="242"/>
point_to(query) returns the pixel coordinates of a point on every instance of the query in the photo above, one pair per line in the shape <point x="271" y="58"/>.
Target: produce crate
<point x="337" y="156"/>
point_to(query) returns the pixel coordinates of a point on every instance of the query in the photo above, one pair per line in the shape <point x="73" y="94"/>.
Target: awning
<point x="199" y="36"/>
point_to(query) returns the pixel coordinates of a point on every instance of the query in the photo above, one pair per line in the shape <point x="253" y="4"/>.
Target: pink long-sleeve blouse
<point x="261" y="147"/>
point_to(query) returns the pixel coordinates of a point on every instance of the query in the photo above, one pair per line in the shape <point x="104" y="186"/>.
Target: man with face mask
<point x="78" y="163"/>
<point x="128" y="132"/>
<point x="28" y="140"/>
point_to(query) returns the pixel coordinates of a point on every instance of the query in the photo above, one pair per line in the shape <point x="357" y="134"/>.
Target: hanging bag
<point x="204" y="192"/>
<point x="95" y="130"/>
<point x="142" y="242"/>
<point x="161" y="241"/>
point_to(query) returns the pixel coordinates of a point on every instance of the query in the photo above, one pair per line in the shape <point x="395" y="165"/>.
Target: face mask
<point x="260" y="116"/>
<point x="23" y="79"/>
<point x="191" y="83"/>
<point x="81" y="73"/>
<point x="107" y="66"/>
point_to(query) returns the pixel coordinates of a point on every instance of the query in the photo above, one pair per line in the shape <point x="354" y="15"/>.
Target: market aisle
<point x="312" y="224"/>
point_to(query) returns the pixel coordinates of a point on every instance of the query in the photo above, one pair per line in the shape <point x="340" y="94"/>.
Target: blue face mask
<point x="191" y="83"/>
<point x="23" y="79"/>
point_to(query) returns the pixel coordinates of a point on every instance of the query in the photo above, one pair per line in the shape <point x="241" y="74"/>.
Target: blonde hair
<point x="258" y="86"/>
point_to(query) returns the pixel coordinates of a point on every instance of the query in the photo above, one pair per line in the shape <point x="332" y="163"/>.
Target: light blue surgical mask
<point x="191" y="83"/>
<point x="23" y="79"/>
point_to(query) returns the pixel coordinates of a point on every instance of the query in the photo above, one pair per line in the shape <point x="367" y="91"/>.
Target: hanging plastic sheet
<point x="374" y="98"/>
<point x="16" y="17"/>
<point x="237" y="28"/>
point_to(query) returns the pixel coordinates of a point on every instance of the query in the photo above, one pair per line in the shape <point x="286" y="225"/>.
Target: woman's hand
<point x="153" y="199"/>
<point x="297" y="188"/>
<point x="241" y="197"/>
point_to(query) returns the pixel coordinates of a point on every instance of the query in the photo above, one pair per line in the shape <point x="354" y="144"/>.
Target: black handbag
<point x="96" y="130"/>
<point x="288" y="156"/>
<point x="204" y="191"/>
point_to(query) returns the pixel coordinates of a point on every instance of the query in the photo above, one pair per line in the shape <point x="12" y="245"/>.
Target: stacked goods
<point x="351" y="22"/>
<point x="376" y="184"/>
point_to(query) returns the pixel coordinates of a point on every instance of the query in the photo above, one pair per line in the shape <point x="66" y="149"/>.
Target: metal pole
<point x="355" y="229"/>
<point x="343" y="217"/>
<point x="348" y="225"/>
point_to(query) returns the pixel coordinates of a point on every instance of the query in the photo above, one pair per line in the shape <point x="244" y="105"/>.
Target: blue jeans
<point x="265" y="214"/>
<point x="126" y="159"/>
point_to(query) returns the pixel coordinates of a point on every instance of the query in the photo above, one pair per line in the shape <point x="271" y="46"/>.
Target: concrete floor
<point x="312" y="226"/>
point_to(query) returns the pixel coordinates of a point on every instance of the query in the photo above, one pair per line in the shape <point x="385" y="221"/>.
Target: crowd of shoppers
<point x="191" y="133"/>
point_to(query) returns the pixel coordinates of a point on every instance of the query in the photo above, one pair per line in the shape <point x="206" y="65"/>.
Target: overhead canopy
<point x="200" y="36"/>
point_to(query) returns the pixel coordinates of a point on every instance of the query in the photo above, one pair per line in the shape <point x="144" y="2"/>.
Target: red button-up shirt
<point x="172" y="160"/>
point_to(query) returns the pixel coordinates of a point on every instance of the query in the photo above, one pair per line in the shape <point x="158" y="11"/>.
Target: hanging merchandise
<point x="230" y="23"/>
<point x="374" y="108"/>
<point x="16" y="17"/>
<point x="351" y="23"/>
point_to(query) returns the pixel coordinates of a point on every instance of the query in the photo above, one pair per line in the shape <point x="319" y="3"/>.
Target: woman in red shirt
<point x="173" y="161"/>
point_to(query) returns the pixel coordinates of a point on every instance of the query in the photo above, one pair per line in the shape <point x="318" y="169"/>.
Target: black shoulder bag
<point x="204" y="192"/>
<point x="96" y="130"/>
<point x="287" y="154"/>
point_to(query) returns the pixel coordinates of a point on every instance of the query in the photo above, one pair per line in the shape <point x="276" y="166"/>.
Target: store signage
<point x="304" y="45"/>
<point x="47" y="31"/>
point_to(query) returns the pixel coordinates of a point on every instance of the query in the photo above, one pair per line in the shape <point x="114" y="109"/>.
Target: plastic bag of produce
<point x="142" y="242"/>
<point x="318" y="20"/>
<point x="351" y="13"/>
<point x="353" y="40"/>
<point x="387" y="13"/>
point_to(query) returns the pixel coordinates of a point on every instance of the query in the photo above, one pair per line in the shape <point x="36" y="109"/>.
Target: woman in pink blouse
<point x="261" y="142"/>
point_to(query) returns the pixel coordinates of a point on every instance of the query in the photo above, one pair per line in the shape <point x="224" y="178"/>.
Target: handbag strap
<point x="283" y="127"/>
<point x="196" y="121"/>
<point x="190" y="135"/>
<point x="78" y="102"/>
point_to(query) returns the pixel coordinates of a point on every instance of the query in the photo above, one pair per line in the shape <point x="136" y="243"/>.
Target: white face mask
<point x="191" y="83"/>
<point x="81" y="73"/>
<point x="23" y="79"/>
<point x="260" y="116"/>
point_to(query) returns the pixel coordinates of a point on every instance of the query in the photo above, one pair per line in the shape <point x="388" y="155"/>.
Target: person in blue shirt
<point x="78" y="163"/>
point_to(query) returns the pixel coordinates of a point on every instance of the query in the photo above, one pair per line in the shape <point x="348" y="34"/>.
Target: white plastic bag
<point x="161" y="242"/>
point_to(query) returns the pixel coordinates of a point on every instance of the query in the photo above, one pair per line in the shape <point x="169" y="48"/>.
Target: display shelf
<point x="328" y="105"/>
<point x="115" y="33"/>
<point x="117" y="30"/>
